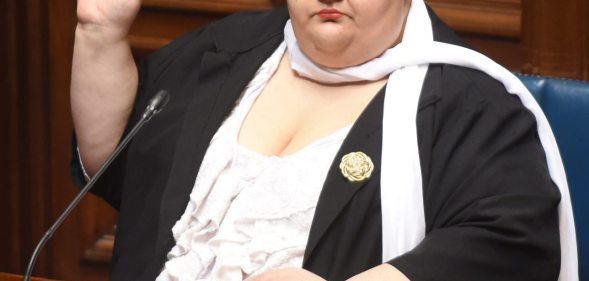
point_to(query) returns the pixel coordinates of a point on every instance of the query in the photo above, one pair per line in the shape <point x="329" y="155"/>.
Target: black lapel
<point x="337" y="190"/>
<point x="223" y="75"/>
<point x="214" y="70"/>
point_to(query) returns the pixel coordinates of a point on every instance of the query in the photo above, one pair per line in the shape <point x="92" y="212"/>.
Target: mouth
<point x="330" y="14"/>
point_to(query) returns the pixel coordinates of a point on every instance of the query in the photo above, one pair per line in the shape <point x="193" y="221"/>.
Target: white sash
<point x="403" y="223"/>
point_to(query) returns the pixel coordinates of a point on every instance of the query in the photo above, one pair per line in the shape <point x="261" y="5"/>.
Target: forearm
<point x="104" y="84"/>
<point x="384" y="272"/>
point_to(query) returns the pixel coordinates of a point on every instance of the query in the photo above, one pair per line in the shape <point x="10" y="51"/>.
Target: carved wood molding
<point x="496" y="18"/>
<point x="215" y="6"/>
<point x="16" y="277"/>
<point x="488" y="17"/>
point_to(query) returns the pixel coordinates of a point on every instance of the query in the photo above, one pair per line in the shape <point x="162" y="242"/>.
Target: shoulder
<point x="234" y="33"/>
<point x="454" y="85"/>
<point x="470" y="87"/>
<point x="181" y="58"/>
<point x="458" y="100"/>
<point x="243" y="31"/>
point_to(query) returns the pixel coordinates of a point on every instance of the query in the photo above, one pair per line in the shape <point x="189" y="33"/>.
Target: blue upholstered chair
<point x="566" y="104"/>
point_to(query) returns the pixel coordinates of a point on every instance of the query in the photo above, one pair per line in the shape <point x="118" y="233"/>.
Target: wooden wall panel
<point x="506" y="51"/>
<point x="35" y="186"/>
<point x="585" y="34"/>
<point x="491" y="26"/>
<point x="160" y="21"/>
<point x="7" y="115"/>
<point x="215" y="6"/>
<point x="155" y="27"/>
<point x="555" y="37"/>
<point x="25" y="151"/>
<point x="497" y="18"/>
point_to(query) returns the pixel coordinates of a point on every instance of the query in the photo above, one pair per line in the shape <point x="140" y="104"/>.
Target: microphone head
<point x="159" y="101"/>
<point x="156" y="104"/>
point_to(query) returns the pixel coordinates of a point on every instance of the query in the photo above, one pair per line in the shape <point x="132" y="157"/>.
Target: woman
<point x="270" y="116"/>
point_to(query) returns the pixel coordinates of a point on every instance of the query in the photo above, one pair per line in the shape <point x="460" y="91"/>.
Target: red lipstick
<point x="330" y="14"/>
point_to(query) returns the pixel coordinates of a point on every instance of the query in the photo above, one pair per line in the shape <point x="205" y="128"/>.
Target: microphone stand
<point x="156" y="104"/>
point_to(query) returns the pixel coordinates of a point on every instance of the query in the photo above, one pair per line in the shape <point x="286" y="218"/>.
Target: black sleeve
<point x="110" y="185"/>
<point x="490" y="205"/>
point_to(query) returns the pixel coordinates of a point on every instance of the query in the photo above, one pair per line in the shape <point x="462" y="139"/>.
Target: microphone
<point x="156" y="105"/>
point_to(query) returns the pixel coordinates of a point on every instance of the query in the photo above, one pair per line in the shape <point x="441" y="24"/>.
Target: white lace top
<point x="248" y="212"/>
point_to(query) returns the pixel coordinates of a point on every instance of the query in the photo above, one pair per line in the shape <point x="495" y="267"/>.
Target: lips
<point x="330" y="14"/>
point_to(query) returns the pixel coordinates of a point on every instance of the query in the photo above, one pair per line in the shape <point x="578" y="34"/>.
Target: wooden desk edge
<point x="15" y="277"/>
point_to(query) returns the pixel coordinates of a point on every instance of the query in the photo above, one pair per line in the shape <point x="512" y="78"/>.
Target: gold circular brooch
<point x="356" y="166"/>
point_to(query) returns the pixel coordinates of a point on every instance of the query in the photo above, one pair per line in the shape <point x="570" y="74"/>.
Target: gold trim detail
<point x="356" y="166"/>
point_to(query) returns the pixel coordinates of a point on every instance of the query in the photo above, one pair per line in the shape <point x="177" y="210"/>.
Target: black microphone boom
<point x="156" y="104"/>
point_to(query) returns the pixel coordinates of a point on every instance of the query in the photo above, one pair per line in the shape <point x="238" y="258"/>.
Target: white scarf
<point x="403" y="223"/>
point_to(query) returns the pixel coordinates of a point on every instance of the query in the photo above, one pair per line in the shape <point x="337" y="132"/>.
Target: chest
<point x="292" y="112"/>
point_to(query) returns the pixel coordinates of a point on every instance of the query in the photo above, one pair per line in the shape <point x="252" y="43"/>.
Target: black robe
<point x="490" y="205"/>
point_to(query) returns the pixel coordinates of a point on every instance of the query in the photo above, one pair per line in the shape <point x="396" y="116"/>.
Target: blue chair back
<point x="566" y="105"/>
